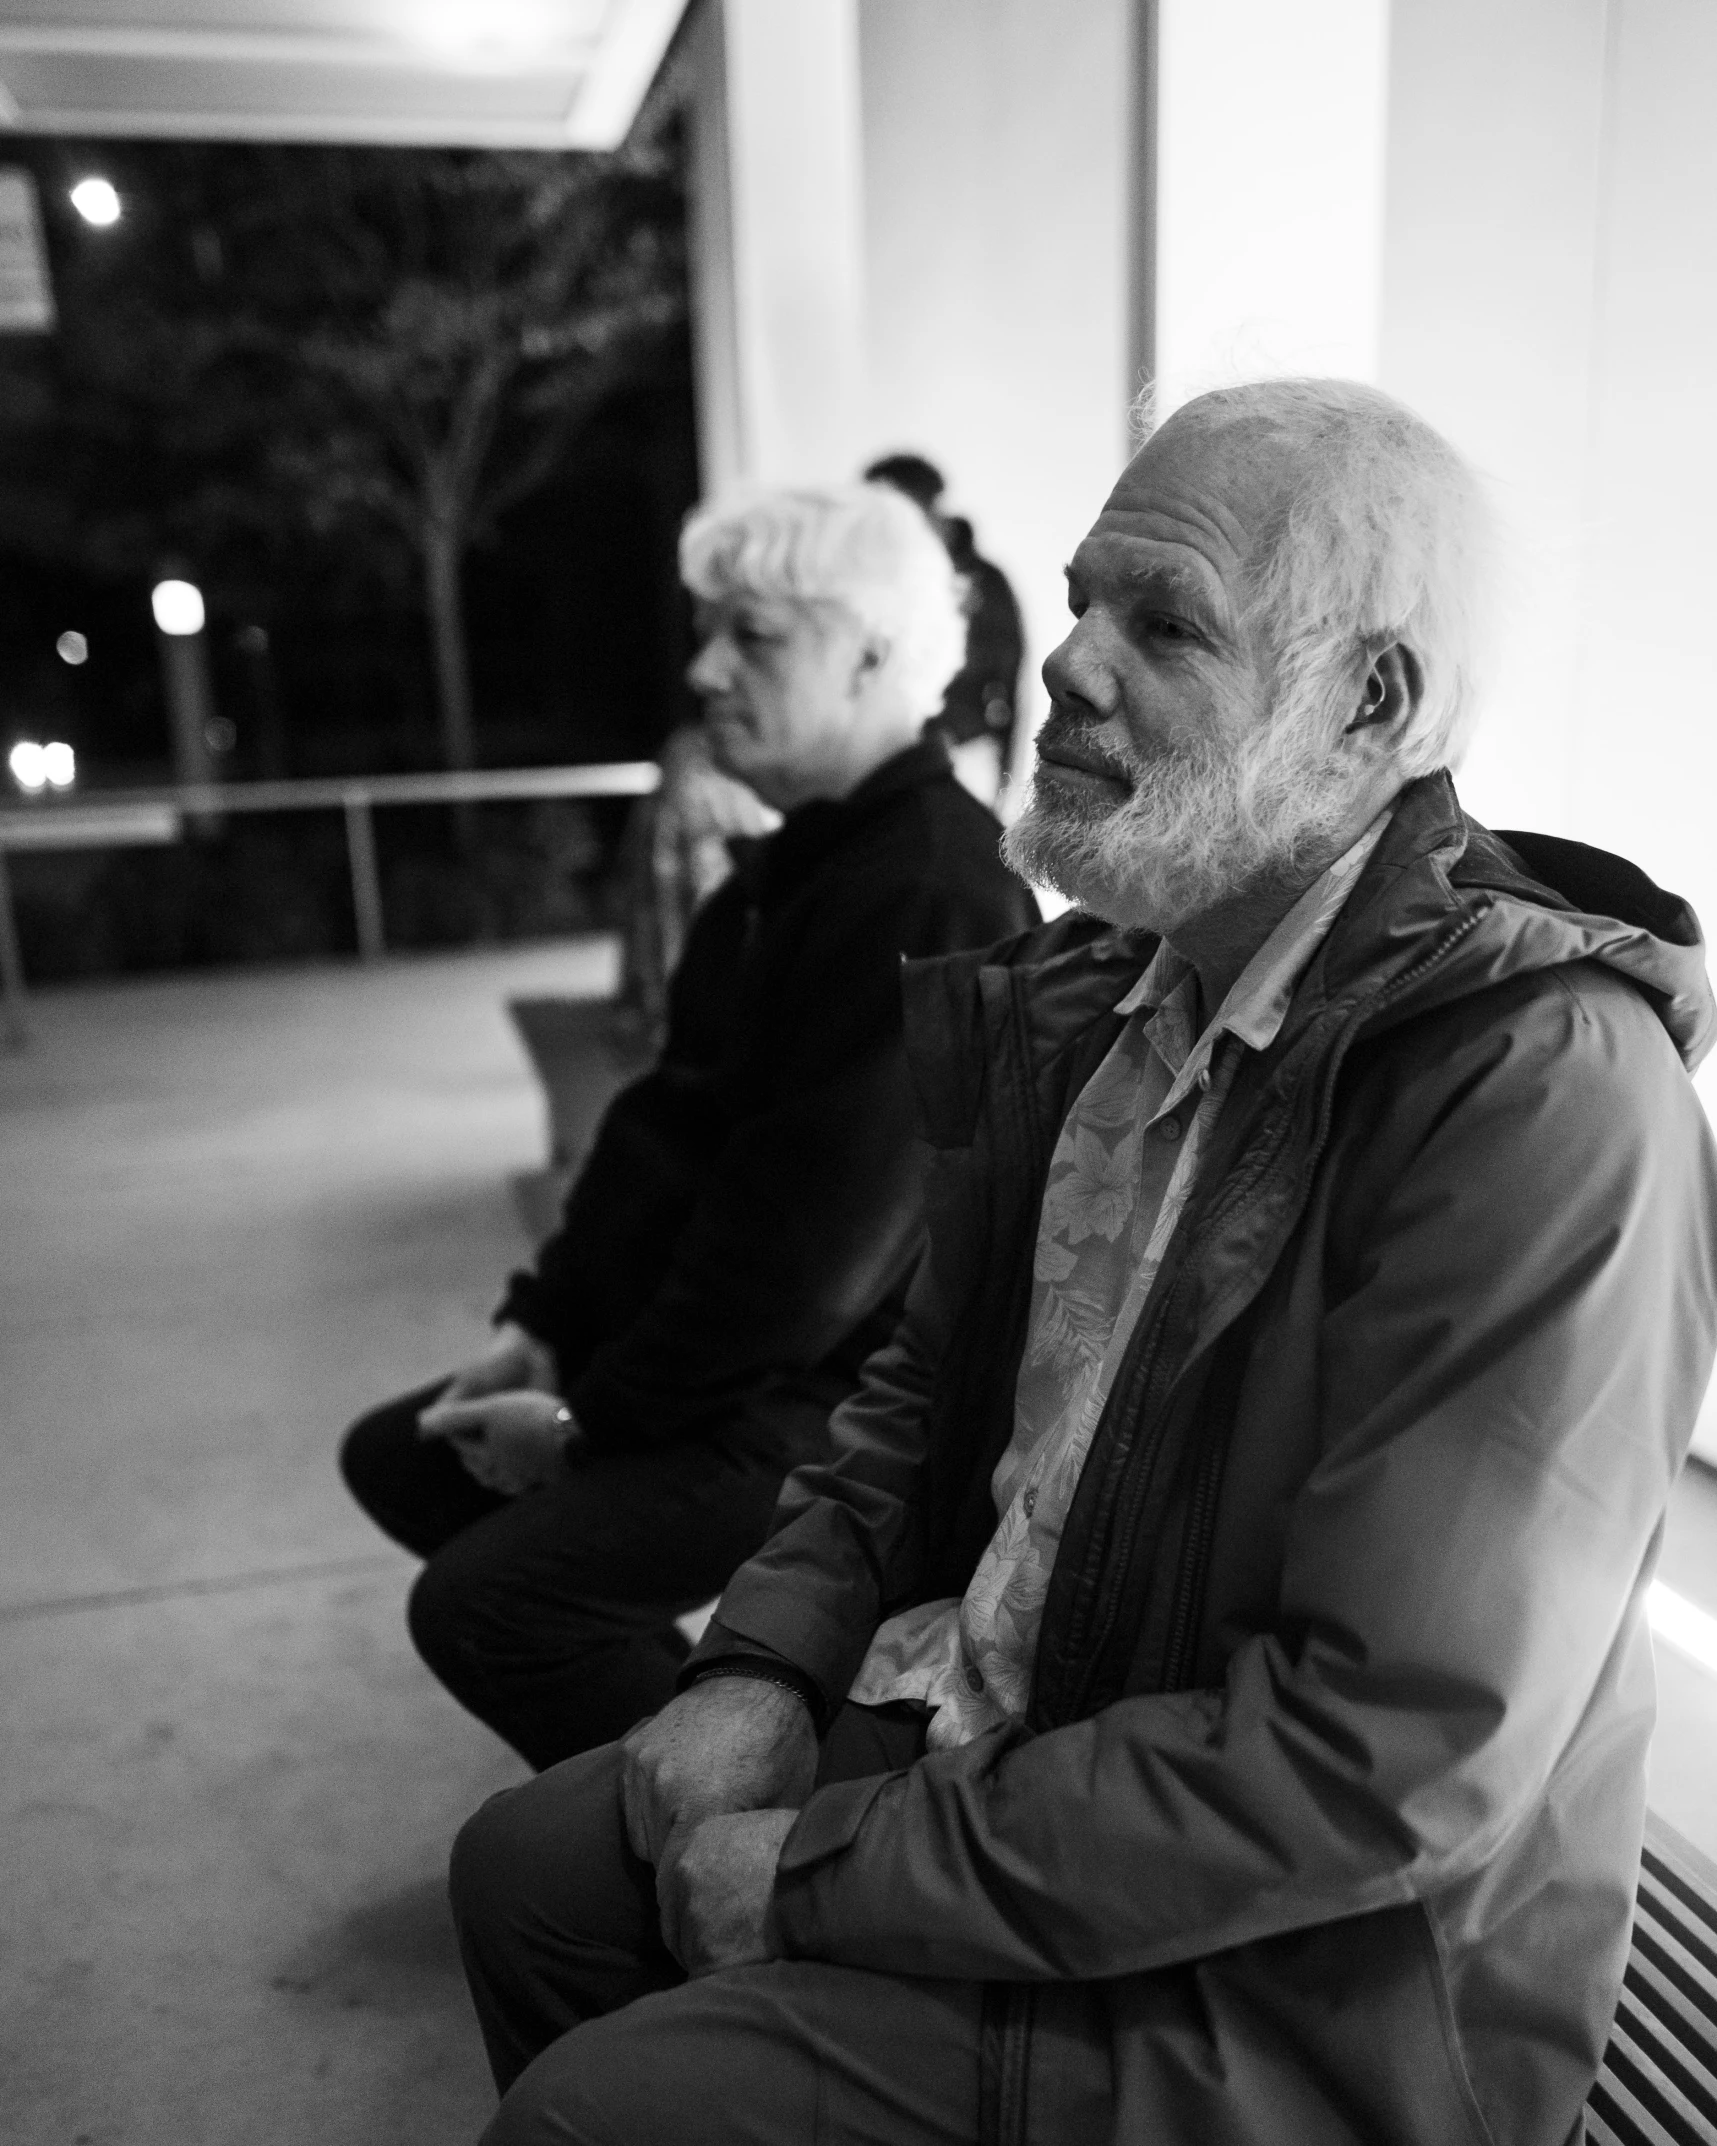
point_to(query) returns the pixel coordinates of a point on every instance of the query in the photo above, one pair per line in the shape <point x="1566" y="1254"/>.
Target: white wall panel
<point x="1270" y="162"/>
<point x="777" y="239"/>
<point x="996" y="249"/>
<point x="1495" y="126"/>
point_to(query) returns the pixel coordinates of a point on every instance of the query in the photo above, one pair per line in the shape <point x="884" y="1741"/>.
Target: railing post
<point x="366" y="881"/>
<point x="11" y="964"/>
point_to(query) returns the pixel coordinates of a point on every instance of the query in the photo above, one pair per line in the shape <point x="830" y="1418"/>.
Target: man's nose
<point x="1074" y="679"/>
<point x="706" y="672"/>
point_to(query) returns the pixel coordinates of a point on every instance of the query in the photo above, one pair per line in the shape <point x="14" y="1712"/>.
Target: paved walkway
<point x="235" y="1210"/>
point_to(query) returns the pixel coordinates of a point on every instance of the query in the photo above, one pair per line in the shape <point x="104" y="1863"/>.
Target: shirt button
<point x="1030" y="1503"/>
<point x="974" y="1678"/>
<point x="1169" y="1129"/>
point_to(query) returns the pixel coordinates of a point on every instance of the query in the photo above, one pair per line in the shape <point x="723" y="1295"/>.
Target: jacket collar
<point x="1442" y="908"/>
<point x="773" y="865"/>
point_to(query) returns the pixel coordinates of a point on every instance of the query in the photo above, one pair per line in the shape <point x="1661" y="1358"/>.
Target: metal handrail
<point x="119" y="818"/>
<point x="324" y="793"/>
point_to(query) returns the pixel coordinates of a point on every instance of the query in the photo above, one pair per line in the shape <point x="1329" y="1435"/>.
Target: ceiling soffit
<point x="523" y="74"/>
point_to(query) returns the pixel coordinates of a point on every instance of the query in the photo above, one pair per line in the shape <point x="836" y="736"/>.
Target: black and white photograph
<point x="858" y="1203"/>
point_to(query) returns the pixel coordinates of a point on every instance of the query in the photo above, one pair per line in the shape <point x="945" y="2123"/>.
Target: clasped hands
<point x="710" y="1788"/>
<point x="503" y="1416"/>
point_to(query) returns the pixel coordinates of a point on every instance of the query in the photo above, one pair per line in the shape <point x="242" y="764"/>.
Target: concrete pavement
<point x="233" y="1211"/>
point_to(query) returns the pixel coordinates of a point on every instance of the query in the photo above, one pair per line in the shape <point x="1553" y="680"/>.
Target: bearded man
<point x="1203" y="1694"/>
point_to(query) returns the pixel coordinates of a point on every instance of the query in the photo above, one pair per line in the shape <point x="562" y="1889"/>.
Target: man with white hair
<point x="1203" y="1694"/>
<point x="740" y="1237"/>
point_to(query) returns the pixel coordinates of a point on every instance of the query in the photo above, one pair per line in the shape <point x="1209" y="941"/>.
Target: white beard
<point x="1201" y="825"/>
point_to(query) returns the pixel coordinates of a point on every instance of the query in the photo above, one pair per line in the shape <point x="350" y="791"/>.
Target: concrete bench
<point x="1658" y="2086"/>
<point x="583" y="1051"/>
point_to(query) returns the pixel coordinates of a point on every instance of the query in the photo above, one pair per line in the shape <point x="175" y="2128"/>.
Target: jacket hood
<point x="1447" y="907"/>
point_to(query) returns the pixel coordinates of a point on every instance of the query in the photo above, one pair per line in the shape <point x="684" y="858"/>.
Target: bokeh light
<point x="38" y="767"/>
<point x="96" y="201"/>
<point x="178" y="606"/>
<point x="72" y="648"/>
<point x="29" y="771"/>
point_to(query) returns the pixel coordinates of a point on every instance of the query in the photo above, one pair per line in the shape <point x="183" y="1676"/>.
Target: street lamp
<point x="179" y="616"/>
<point x="96" y="201"/>
<point x="178" y="606"/>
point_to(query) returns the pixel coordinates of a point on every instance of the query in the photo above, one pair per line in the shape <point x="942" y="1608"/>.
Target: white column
<point x="997" y="247"/>
<point x="777" y="240"/>
<point x="1495" y="133"/>
<point x="1270" y="172"/>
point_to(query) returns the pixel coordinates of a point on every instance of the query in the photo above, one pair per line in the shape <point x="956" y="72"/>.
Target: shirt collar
<point x="1258" y="1000"/>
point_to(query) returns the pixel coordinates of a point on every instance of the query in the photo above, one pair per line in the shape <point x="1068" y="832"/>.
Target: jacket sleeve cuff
<point x="828" y="1825"/>
<point x="762" y="1613"/>
<point x="763" y="1669"/>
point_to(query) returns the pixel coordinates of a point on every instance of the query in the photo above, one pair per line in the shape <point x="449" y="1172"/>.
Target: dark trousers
<point x="594" y="2034"/>
<point x="550" y="1616"/>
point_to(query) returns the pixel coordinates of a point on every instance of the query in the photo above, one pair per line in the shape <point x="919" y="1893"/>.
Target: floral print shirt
<point x="1122" y="1172"/>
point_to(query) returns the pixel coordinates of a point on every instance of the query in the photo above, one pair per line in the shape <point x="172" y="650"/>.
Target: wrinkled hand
<point x="514" y="1362"/>
<point x="714" y="1889"/>
<point x="508" y="1442"/>
<point x="732" y="1744"/>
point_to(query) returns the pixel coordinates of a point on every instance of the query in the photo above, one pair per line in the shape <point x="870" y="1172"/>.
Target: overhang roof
<point x="501" y="74"/>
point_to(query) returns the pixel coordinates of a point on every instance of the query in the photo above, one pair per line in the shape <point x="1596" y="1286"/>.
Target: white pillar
<point x="1270" y="173"/>
<point x="1495" y="133"/>
<point x="777" y="240"/>
<point x="997" y="248"/>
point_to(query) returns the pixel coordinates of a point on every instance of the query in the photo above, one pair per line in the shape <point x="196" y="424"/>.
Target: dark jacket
<point x="982" y="693"/>
<point x="739" y="1238"/>
<point x="1326" y="1820"/>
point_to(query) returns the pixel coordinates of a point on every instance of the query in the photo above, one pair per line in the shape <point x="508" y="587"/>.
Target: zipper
<point x="1186" y="1604"/>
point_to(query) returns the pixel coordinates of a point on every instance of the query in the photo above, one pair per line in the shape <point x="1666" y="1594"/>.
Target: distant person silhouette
<point x="977" y="716"/>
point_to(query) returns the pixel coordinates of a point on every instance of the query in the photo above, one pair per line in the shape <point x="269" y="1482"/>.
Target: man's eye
<point x="1164" y="626"/>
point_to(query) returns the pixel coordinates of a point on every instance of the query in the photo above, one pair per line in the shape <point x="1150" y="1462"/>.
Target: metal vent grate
<point x="1658" y="2086"/>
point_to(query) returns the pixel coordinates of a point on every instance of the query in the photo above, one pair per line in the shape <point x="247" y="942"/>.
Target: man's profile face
<point x="1163" y="783"/>
<point x="1156" y="661"/>
<point x="776" y="682"/>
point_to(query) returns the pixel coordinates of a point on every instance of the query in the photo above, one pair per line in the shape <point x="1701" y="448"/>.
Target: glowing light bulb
<point x="178" y="606"/>
<point x="96" y="201"/>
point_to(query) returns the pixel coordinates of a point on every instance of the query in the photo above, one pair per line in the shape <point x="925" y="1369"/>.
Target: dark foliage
<point x="331" y="371"/>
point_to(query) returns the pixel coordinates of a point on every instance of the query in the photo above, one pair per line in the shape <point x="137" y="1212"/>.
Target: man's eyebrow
<point x="1169" y="577"/>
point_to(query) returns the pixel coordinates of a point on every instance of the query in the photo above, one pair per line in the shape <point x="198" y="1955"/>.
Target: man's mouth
<point x="1069" y="756"/>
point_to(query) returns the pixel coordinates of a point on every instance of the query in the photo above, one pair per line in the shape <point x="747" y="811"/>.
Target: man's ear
<point x="874" y="652"/>
<point x="1390" y="691"/>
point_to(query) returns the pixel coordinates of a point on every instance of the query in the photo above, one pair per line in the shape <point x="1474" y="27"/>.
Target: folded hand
<point x="731" y="1744"/>
<point x="714" y="1889"/>
<point x="507" y="1441"/>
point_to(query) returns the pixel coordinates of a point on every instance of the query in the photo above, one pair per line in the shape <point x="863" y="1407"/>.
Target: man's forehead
<point x="1189" y="505"/>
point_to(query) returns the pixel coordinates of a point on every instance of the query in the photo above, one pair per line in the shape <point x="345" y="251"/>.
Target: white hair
<point x="863" y="548"/>
<point x="1383" y="533"/>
